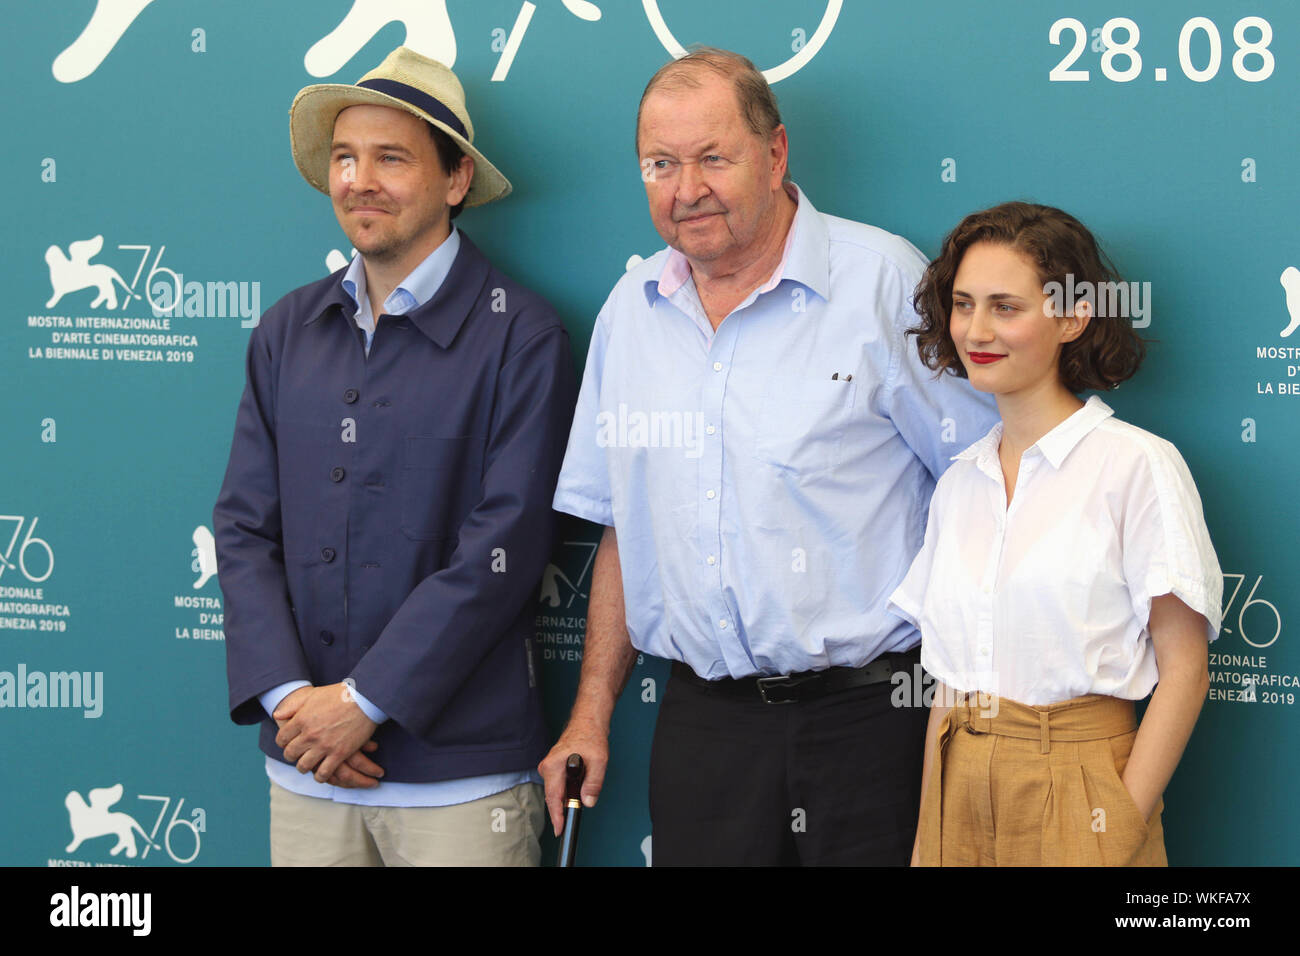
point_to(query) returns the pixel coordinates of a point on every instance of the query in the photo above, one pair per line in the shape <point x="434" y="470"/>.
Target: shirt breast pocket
<point x="802" y="425"/>
<point x="439" y="477"/>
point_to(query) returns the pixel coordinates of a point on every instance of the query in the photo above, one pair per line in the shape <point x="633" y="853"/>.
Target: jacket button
<point x="336" y="474"/>
<point x="327" y="637"/>
<point x="327" y="554"/>
<point x="351" y="395"/>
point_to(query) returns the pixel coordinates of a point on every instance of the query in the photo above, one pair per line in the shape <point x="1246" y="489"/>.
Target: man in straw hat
<point x="385" y="516"/>
<point x="758" y="557"/>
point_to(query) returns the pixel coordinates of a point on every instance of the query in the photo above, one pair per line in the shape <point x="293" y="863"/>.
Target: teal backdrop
<point x="154" y="137"/>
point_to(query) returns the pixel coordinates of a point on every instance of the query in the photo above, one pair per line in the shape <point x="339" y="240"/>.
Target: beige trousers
<point x="1036" y="786"/>
<point x="502" y="829"/>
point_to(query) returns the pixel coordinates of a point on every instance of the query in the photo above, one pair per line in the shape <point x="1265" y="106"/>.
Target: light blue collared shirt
<point x="769" y="482"/>
<point x="413" y="291"/>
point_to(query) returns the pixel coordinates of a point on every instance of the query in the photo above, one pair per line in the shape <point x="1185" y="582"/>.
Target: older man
<point x="386" y="515"/>
<point x="771" y="499"/>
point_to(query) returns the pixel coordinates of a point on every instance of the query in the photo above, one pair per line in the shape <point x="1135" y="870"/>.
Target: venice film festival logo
<point x="203" y="556"/>
<point x="200" y="616"/>
<point x="165" y="291"/>
<point x="428" y="31"/>
<point x="1290" y="280"/>
<point x="1280" y="382"/>
<point x="92" y="817"/>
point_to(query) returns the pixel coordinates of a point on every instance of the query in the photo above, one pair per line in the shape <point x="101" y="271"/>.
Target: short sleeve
<point x="584" y="489"/>
<point x="944" y="650"/>
<point x="1167" y="547"/>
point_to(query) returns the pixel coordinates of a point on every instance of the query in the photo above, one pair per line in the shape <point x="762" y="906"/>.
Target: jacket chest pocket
<point x="441" y="478"/>
<point x="802" y="425"/>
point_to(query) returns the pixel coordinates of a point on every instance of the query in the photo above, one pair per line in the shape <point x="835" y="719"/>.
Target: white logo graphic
<point x="428" y="32"/>
<point x="1251" y="601"/>
<point x="42" y="546"/>
<point x="553" y="577"/>
<point x="774" y="74"/>
<point x="336" y="260"/>
<point x="166" y="290"/>
<point x="29" y="541"/>
<point x="94" y="819"/>
<point x="107" y="24"/>
<point x="75" y="271"/>
<point x="645" y="850"/>
<point x="583" y="10"/>
<point x="1291" y="283"/>
<point x="205" y="555"/>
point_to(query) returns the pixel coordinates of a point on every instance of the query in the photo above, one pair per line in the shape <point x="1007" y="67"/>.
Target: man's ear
<point x="460" y="180"/>
<point x="779" y="153"/>
<point x="1075" y="323"/>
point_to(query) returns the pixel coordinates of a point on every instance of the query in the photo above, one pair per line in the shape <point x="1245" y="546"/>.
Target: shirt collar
<point x="1055" y="446"/>
<point x="413" y="291"/>
<point x="984" y="449"/>
<point x="805" y="259"/>
<point x="441" y="317"/>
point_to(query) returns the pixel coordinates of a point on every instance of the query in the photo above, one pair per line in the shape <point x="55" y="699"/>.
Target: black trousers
<point x="825" y="782"/>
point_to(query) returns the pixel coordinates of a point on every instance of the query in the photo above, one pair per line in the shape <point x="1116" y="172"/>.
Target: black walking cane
<point x="575" y="771"/>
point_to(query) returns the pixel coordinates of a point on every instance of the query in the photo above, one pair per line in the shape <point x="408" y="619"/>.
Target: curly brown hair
<point x="1108" y="352"/>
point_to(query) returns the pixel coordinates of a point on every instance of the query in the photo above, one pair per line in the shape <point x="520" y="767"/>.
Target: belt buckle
<point x="775" y="683"/>
<point x="966" y="716"/>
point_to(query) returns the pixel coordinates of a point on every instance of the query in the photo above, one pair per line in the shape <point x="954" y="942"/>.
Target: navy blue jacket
<point x="388" y="518"/>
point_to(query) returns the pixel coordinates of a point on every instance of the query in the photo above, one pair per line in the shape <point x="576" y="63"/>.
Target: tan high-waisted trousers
<point x="1035" y="786"/>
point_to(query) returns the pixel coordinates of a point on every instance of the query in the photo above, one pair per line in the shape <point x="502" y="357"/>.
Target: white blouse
<point x="1048" y="598"/>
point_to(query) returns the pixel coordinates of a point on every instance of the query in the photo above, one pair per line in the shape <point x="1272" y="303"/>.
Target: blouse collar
<point x="1055" y="446"/>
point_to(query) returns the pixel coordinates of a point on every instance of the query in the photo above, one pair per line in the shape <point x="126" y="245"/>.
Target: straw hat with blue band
<point x="405" y="81"/>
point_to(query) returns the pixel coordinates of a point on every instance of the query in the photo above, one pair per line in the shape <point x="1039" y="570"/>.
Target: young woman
<point x="1066" y="570"/>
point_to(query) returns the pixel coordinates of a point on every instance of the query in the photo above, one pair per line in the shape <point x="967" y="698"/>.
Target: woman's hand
<point x="1182" y="658"/>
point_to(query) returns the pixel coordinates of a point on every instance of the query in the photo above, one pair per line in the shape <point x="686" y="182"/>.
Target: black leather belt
<point x="806" y="685"/>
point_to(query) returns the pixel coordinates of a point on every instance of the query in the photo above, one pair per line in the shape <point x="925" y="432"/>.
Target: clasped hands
<point x="324" y="732"/>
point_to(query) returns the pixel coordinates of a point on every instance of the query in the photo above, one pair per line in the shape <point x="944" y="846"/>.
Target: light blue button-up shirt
<point x="413" y="291"/>
<point x="769" y="482"/>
